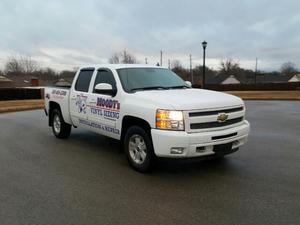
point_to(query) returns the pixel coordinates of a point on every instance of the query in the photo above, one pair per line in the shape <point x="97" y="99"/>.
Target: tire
<point x="139" y="149"/>
<point x="60" y="129"/>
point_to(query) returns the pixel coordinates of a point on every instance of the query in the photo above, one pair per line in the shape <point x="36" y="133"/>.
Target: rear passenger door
<point x="79" y="95"/>
<point x="104" y="109"/>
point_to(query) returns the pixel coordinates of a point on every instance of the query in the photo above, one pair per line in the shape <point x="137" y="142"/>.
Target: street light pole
<point x="204" y="44"/>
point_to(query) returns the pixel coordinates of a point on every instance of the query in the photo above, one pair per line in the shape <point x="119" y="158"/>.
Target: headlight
<point x="169" y="120"/>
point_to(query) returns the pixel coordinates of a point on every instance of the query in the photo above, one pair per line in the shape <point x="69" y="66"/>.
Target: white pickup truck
<point x="151" y="110"/>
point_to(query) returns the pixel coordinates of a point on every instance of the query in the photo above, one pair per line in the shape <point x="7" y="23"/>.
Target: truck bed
<point x="59" y="95"/>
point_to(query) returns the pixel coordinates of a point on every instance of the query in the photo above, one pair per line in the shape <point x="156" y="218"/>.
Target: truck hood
<point x="189" y="99"/>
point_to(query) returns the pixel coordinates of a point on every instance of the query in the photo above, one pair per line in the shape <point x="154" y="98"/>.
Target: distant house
<point x="5" y="82"/>
<point x="222" y="79"/>
<point x="269" y="78"/>
<point x="231" y="79"/>
<point x="295" y="78"/>
<point x="260" y="79"/>
<point x="62" y="83"/>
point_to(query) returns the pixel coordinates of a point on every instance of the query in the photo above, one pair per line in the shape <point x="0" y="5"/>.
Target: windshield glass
<point x="134" y="79"/>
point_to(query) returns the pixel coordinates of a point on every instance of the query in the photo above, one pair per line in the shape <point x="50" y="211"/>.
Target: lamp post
<point x="204" y="44"/>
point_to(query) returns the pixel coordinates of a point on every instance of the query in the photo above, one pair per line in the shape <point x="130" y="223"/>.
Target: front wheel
<point x="60" y="129"/>
<point x="138" y="149"/>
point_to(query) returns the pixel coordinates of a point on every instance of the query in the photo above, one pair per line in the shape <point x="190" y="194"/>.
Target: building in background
<point x="295" y="78"/>
<point x="5" y="82"/>
<point x="231" y="79"/>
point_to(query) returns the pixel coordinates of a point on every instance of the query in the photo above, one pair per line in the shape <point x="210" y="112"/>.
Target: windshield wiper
<point x="179" y="86"/>
<point x="149" y="88"/>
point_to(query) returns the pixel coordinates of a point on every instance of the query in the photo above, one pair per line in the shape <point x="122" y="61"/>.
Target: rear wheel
<point x="138" y="148"/>
<point x="60" y="129"/>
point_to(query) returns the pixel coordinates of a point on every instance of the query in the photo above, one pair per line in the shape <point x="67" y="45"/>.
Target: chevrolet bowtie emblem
<point x="222" y="117"/>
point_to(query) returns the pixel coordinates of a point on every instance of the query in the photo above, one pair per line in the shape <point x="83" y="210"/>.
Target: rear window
<point x="83" y="80"/>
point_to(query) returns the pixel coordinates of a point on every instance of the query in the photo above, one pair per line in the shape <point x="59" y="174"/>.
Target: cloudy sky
<point x="67" y="33"/>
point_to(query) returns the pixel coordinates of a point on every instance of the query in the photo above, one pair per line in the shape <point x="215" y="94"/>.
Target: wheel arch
<point x="129" y="121"/>
<point x="52" y="105"/>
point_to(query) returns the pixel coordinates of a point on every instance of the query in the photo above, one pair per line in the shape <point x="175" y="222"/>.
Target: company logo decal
<point x="58" y="93"/>
<point x="107" y="108"/>
<point x="100" y="126"/>
<point x="222" y="117"/>
<point x="108" y="103"/>
<point x="81" y="103"/>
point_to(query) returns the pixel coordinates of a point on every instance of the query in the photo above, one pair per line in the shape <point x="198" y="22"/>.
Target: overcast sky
<point x="68" y="33"/>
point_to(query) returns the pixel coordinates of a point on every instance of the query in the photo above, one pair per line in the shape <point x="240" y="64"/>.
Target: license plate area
<point x="223" y="149"/>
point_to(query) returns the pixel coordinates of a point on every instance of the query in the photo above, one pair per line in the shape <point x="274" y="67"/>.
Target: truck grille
<point x="215" y="124"/>
<point x="207" y="120"/>
<point x="216" y="112"/>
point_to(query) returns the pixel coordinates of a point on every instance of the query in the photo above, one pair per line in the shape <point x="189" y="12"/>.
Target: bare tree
<point x="229" y="66"/>
<point x="122" y="57"/>
<point x="288" y="68"/>
<point x="28" y="64"/>
<point x="21" y="64"/>
<point x="114" y="59"/>
<point x="13" y="65"/>
<point x="176" y="64"/>
<point x="128" y="58"/>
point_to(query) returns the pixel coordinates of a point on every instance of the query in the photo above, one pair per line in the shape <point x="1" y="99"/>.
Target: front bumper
<point x="196" y="144"/>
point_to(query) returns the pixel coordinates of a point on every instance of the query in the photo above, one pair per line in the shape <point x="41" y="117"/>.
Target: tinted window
<point x="105" y="76"/>
<point x="83" y="80"/>
<point x="132" y="78"/>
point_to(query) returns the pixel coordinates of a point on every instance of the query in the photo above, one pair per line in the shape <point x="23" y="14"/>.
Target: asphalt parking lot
<point x="86" y="179"/>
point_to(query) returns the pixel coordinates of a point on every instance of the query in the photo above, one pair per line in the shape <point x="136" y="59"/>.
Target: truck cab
<point x="151" y="110"/>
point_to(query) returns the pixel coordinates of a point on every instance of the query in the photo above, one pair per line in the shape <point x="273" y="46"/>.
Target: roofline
<point x="119" y="66"/>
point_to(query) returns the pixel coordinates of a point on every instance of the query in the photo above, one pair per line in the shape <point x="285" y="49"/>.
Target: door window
<point x="105" y="76"/>
<point x="83" y="80"/>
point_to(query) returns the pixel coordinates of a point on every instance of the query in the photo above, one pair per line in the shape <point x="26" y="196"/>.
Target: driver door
<point x="104" y="108"/>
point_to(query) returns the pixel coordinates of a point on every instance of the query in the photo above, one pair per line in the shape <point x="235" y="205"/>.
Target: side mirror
<point x="188" y="83"/>
<point x="105" y="89"/>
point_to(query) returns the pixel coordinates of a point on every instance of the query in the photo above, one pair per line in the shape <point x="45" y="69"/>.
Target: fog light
<point x="177" y="150"/>
<point x="200" y="149"/>
<point x="235" y="143"/>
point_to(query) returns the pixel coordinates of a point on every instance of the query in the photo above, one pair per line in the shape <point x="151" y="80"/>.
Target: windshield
<point x="135" y="79"/>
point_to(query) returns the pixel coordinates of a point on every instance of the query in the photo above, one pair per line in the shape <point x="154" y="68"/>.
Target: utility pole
<point x="169" y="63"/>
<point x="191" y="70"/>
<point x="161" y="53"/>
<point x="204" y="45"/>
<point x="146" y="60"/>
<point x="255" y="74"/>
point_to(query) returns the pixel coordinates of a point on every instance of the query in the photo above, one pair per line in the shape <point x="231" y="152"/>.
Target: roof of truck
<point x="119" y="66"/>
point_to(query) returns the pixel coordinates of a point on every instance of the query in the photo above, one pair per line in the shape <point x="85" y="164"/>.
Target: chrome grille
<point x="216" y="112"/>
<point x="207" y="120"/>
<point x="215" y="124"/>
